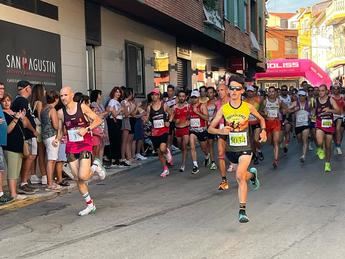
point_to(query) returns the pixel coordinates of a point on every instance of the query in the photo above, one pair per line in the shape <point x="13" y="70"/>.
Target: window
<point x="226" y="16"/>
<point x="34" y="6"/>
<point x="135" y="69"/>
<point x="236" y="6"/>
<point x="290" y="45"/>
<point x="272" y="44"/>
<point x="284" y="23"/>
<point x="245" y="15"/>
<point x="253" y="18"/>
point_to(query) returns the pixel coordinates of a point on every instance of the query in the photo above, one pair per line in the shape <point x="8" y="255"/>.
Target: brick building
<point x="138" y="43"/>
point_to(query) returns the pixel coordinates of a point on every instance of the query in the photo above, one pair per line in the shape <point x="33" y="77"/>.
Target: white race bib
<point x="195" y="122"/>
<point x="302" y="118"/>
<point x="272" y="113"/>
<point x="238" y="139"/>
<point x="73" y="135"/>
<point x="158" y="124"/>
<point x="326" y="123"/>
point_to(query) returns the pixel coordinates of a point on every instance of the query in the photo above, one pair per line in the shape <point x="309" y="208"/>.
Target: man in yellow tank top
<point x="236" y="115"/>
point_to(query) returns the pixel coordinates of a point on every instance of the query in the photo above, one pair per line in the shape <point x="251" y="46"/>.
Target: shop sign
<point x="184" y="53"/>
<point x="29" y="54"/>
<point x="236" y="64"/>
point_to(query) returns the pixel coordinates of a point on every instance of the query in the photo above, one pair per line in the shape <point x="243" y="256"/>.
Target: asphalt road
<point x="298" y="213"/>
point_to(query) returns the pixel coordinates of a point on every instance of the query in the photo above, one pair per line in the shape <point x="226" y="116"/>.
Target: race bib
<point x="326" y="123"/>
<point x="73" y="135"/>
<point x="158" y="124"/>
<point x="195" y="123"/>
<point x="221" y="126"/>
<point x="238" y="139"/>
<point x="272" y="113"/>
<point x="302" y="118"/>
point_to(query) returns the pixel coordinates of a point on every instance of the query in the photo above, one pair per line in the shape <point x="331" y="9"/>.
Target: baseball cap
<point x="155" y="91"/>
<point x="22" y="84"/>
<point x="302" y="92"/>
<point x="195" y="93"/>
<point x="250" y="88"/>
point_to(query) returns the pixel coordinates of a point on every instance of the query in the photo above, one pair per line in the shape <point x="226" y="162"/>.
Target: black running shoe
<point x="285" y="149"/>
<point x="261" y="156"/>
<point x="255" y="160"/>
<point x="242" y="216"/>
<point x="195" y="170"/>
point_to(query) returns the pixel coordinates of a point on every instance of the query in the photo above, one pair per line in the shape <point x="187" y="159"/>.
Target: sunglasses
<point x="235" y="88"/>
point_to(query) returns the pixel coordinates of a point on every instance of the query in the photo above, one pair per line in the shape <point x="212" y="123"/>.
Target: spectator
<point x="4" y="198"/>
<point x="37" y="101"/>
<point x="139" y="133"/>
<point x="114" y="122"/>
<point x="21" y="103"/>
<point x="14" y="148"/>
<point x="49" y="119"/>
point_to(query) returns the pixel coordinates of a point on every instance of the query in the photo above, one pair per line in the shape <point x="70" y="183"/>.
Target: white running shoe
<point x="182" y="168"/>
<point x="34" y="179"/>
<point x="89" y="209"/>
<point x="169" y="156"/>
<point x="310" y="147"/>
<point x="68" y="171"/>
<point x="44" y="180"/>
<point x="100" y="170"/>
<point x="140" y="157"/>
<point x="231" y="168"/>
<point x="165" y="173"/>
<point x="339" y="152"/>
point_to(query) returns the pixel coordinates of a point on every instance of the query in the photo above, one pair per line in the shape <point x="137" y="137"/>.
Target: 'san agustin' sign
<point x="29" y="54"/>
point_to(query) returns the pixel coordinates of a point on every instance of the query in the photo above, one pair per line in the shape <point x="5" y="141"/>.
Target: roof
<point x="283" y="15"/>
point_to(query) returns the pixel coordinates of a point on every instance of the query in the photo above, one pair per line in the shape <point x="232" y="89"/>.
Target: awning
<point x="280" y="68"/>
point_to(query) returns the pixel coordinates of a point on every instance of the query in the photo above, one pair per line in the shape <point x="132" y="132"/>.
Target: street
<point x="298" y="213"/>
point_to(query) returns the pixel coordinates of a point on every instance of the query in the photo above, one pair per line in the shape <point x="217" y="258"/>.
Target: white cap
<point x="195" y="93"/>
<point x="250" y="88"/>
<point x="302" y="92"/>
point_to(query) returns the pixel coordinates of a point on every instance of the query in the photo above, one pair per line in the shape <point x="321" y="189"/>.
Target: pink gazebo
<point x="282" y="68"/>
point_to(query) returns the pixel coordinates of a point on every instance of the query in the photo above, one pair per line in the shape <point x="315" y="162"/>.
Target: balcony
<point x="336" y="57"/>
<point x="335" y="13"/>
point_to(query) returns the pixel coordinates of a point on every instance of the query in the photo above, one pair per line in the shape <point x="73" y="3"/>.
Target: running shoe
<point x="44" y="180"/>
<point x="285" y="149"/>
<point x="275" y="164"/>
<point x="169" y="157"/>
<point x="207" y="162"/>
<point x="100" y="170"/>
<point x="90" y="209"/>
<point x="34" y="179"/>
<point x="310" y="147"/>
<point x="242" y="216"/>
<point x="261" y="156"/>
<point x="320" y="153"/>
<point x="302" y="159"/>
<point x="255" y="183"/>
<point x="67" y="170"/>
<point x="5" y="198"/>
<point x="165" y="173"/>
<point x="328" y="167"/>
<point x="174" y="148"/>
<point x="124" y="163"/>
<point x="25" y="189"/>
<point x="213" y="166"/>
<point x="223" y="185"/>
<point x="182" y="168"/>
<point x="230" y="168"/>
<point x="338" y="150"/>
<point x="195" y="170"/>
<point x="140" y="157"/>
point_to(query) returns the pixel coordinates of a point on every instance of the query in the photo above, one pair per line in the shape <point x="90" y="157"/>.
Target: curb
<point x="44" y="196"/>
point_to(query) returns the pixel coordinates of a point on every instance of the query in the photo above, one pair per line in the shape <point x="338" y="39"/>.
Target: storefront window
<point x="161" y="69"/>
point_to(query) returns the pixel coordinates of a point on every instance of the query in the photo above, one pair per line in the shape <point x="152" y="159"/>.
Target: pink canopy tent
<point x="280" y="68"/>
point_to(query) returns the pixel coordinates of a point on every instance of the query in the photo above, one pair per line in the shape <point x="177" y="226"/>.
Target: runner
<point x="159" y="118"/>
<point x="302" y="110"/>
<point x="287" y="117"/>
<point x="203" y="95"/>
<point x="325" y="127"/>
<point x="181" y="121"/>
<point x="272" y="107"/>
<point x="170" y="102"/>
<point x="254" y="125"/>
<point x="338" y="119"/>
<point x="312" y="104"/>
<point x="223" y="98"/>
<point x="198" y="130"/>
<point x="212" y="110"/>
<point x="236" y="115"/>
<point x="75" y="117"/>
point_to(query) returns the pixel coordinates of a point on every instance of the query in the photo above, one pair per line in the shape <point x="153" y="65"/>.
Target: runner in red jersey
<point x="159" y="118"/>
<point x="75" y="117"/>
<point x="198" y="129"/>
<point x="338" y="119"/>
<point x="181" y="119"/>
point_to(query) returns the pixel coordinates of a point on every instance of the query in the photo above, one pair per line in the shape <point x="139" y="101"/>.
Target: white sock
<point x="1" y="193"/>
<point x="195" y="163"/>
<point x="88" y="199"/>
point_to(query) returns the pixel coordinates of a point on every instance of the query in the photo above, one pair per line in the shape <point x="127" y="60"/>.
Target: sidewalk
<point x="43" y="195"/>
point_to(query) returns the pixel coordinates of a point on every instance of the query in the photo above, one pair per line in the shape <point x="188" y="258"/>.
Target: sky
<point x="289" y="5"/>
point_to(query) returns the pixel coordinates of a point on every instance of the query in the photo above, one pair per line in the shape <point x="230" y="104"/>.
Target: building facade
<point x="140" y="44"/>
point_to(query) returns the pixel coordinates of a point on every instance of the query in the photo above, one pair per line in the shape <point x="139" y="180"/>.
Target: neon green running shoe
<point x="328" y="167"/>
<point x="320" y="153"/>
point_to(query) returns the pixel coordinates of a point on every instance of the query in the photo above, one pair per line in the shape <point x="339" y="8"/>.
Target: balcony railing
<point x="335" y="12"/>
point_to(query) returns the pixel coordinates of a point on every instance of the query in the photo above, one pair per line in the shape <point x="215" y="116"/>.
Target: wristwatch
<point x="88" y="129"/>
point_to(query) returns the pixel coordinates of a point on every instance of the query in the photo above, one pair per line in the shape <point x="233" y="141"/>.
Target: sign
<point x="184" y="53"/>
<point x="273" y="65"/>
<point x="29" y="54"/>
<point x="236" y="63"/>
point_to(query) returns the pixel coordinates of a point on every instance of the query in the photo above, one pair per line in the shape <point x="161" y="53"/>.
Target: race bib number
<point x="195" y="123"/>
<point x="272" y="113"/>
<point x="326" y="123"/>
<point x="73" y="135"/>
<point x="238" y="139"/>
<point x="302" y="118"/>
<point x="158" y="124"/>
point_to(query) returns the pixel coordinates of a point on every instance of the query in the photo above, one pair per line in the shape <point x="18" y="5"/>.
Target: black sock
<point x="224" y="178"/>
